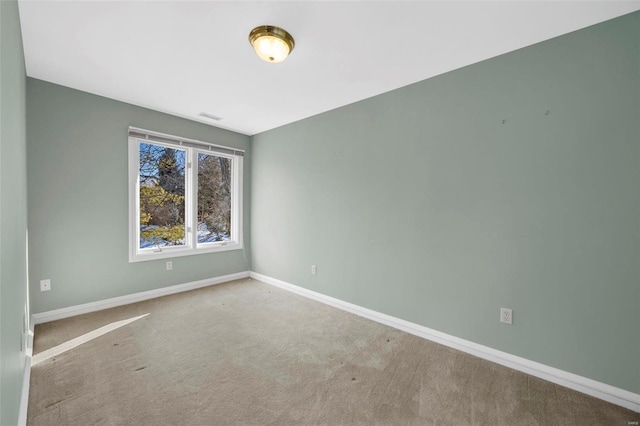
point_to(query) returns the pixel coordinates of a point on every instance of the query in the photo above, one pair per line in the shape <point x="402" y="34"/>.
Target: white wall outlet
<point x="45" y="285"/>
<point x="169" y="265"/>
<point x="314" y="270"/>
<point x="506" y="315"/>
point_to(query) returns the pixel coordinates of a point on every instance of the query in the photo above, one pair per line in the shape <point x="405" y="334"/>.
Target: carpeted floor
<point x="245" y="353"/>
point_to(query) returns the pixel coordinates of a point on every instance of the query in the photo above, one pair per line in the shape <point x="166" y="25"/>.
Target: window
<point x="185" y="196"/>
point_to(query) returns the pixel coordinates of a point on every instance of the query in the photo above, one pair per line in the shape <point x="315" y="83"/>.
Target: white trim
<point x="85" y="308"/>
<point x="582" y="384"/>
<point x="24" y="396"/>
<point x="173" y="252"/>
<point x="133" y="189"/>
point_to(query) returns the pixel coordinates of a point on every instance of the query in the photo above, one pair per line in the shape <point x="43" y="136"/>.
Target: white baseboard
<point x="24" y="396"/>
<point x="582" y="384"/>
<point x="85" y="308"/>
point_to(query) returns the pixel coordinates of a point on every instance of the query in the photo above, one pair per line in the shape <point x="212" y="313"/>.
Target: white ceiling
<point x="184" y="58"/>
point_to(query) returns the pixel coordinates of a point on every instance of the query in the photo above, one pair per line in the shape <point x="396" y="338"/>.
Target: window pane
<point x="162" y="196"/>
<point x="214" y="198"/>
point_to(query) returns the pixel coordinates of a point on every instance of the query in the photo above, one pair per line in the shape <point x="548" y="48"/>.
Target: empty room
<point x="319" y="213"/>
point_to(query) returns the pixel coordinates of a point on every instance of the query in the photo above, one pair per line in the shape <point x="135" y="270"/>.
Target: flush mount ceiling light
<point x="272" y="44"/>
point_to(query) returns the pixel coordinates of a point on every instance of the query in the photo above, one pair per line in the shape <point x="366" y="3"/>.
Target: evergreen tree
<point x="161" y="194"/>
<point x="170" y="173"/>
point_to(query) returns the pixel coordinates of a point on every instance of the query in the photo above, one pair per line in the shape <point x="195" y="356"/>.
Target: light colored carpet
<point x="245" y="353"/>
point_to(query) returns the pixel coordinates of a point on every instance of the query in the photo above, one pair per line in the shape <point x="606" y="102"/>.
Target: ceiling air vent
<point x="211" y="116"/>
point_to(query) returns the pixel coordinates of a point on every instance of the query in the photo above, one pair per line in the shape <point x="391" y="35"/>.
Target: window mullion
<point x="193" y="170"/>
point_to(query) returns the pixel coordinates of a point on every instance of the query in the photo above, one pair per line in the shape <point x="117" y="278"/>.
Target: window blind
<point x="151" y="136"/>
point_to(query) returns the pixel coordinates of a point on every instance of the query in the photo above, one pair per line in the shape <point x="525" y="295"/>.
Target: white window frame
<point x="191" y="247"/>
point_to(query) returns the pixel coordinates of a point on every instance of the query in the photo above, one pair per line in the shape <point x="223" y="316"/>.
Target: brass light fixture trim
<point x="271" y="43"/>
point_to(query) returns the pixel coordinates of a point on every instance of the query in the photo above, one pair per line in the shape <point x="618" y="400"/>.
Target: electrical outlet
<point x="314" y="270"/>
<point x="506" y="315"/>
<point x="169" y="265"/>
<point x="45" y="285"/>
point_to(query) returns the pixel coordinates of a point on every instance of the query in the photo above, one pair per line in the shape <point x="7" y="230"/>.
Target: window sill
<point x="168" y="253"/>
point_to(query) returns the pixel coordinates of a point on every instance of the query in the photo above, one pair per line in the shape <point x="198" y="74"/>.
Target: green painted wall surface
<point x="78" y="199"/>
<point x="13" y="212"/>
<point x="514" y="182"/>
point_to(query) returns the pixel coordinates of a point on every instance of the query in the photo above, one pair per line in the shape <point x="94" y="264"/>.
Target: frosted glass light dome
<point x="272" y="44"/>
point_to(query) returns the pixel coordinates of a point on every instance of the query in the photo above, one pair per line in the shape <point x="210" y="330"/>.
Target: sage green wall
<point x="444" y="200"/>
<point x="78" y="199"/>
<point x="13" y="212"/>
